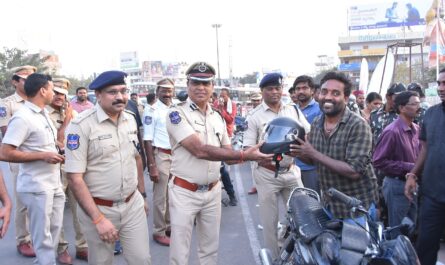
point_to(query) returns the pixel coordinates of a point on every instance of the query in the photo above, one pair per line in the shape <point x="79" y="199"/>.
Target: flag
<point x="437" y="44"/>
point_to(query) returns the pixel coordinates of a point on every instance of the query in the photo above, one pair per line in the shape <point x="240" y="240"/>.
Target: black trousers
<point x="225" y="178"/>
<point x="431" y="226"/>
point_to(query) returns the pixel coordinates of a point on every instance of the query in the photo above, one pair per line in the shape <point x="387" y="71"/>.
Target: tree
<point x="13" y="57"/>
<point x="322" y="73"/>
<point x="249" y="78"/>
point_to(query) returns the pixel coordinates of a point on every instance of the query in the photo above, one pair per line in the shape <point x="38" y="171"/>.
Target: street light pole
<point x="216" y="26"/>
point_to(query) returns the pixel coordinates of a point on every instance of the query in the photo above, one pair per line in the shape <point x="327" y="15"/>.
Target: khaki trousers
<point x="81" y="242"/>
<point x="131" y="221"/>
<point x="161" y="215"/>
<point x="45" y="211"/>
<point x="185" y="207"/>
<point x="21" y="220"/>
<point x="269" y="189"/>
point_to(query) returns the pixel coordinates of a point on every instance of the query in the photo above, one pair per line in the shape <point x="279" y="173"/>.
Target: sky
<point x="89" y="35"/>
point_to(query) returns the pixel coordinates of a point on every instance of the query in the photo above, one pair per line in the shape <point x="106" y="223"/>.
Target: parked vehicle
<point x="316" y="239"/>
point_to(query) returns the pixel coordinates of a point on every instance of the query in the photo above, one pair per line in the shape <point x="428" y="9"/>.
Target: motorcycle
<point x="316" y="239"/>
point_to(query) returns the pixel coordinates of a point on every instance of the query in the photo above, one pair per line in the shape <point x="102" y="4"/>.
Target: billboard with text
<point x="388" y="15"/>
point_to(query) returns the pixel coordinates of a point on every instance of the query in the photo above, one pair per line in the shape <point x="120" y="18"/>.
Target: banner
<point x="437" y="43"/>
<point x="388" y="15"/>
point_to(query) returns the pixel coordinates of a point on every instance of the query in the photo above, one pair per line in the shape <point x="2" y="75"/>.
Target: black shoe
<point x="232" y="200"/>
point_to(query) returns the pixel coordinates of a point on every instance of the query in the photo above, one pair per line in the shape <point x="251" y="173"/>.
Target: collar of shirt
<point x="400" y="123"/>
<point x="160" y="104"/>
<point x="194" y="107"/>
<point x="311" y="103"/>
<point x="50" y="109"/>
<point x="266" y="107"/>
<point x="102" y="115"/>
<point x="17" y="97"/>
<point x="35" y="108"/>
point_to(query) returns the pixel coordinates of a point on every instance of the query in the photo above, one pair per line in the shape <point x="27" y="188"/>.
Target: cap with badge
<point x="201" y="71"/>
<point x="23" y="71"/>
<point x="166" y="82"/>
<point x="108" y="78"/>
<point x="272" y="79"/>
<point x="61" y="85"/>
<point x="255" y="96"/>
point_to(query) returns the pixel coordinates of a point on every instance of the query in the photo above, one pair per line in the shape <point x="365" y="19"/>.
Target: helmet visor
<point x="276" y="134"/>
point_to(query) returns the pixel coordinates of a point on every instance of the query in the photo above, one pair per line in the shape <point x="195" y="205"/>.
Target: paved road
<point x="240" y="238"/>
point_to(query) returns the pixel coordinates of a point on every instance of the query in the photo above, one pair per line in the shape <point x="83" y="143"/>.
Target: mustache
<point x="119" y="101"/>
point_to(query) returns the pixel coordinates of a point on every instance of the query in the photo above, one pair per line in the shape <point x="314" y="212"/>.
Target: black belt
<point x="402" y="178"/>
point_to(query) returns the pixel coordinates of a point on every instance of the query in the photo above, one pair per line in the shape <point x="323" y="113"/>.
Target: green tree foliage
<point x="249" y="78"/>
<point x="13" y="57"/>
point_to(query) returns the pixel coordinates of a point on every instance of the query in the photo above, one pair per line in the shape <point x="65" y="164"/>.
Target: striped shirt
<point x="351" y="142"/>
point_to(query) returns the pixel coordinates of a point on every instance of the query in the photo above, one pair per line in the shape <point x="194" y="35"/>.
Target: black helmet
<point x="182" y="95"/>
<point x="279" y="134"/>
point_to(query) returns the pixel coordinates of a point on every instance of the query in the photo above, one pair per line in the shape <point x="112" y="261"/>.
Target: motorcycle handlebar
<point x="341" y="197"/>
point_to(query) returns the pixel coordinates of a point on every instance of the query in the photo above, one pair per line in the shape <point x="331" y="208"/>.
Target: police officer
<point x="61" y="113"/>
<point x="270" y="188"/>
<point x="255" y="100"/>
<point x="199" y="141"/>
<point x="385" y="115"/>
<point x="157" y="147"/>
<point x="31" y="140"/>
<point x="105" y="173"/>
<point x="9" y="106"/>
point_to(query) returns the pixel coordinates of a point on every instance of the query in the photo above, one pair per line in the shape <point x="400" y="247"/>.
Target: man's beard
<point x="333" y="108"/>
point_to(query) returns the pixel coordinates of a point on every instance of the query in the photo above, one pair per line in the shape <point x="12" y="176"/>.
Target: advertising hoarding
<point x="389" y="14"/>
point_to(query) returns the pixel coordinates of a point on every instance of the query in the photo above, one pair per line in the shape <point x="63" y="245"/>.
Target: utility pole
<point x="217" y="26"/>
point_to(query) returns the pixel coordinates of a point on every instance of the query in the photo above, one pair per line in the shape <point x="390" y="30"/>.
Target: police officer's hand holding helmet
<point x="279" y="134"/>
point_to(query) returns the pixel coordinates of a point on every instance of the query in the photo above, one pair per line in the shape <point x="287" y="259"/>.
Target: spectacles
<point x="114" y="92"/>
<point x="413" y="104"/>
<point x="440" y="83"/>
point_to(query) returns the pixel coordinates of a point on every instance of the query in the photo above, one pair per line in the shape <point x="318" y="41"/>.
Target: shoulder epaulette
<point x="83" y="115"/>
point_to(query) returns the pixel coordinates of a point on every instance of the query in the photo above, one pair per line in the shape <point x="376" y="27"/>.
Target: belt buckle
<point x="203" y="188"/>
<point x="118" y="202"/>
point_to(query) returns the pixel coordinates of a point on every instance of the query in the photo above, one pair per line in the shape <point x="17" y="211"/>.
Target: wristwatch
<point x="144" y="194"/>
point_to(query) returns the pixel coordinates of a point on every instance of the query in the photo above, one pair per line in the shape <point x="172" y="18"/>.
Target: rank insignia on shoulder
<point x="3" y="112"/>
<point x="174" y="117"/>
<point x="72" y="141"/>
<point x="148" y="120"/>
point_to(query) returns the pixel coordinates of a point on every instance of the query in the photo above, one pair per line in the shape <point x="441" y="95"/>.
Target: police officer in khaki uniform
<point x="30" y="140"/>
<point x="9" y="106"/>
<point x="157" y="147"/>
<point x="270" y="188"/>
<point x="61" y="113"/>
<point x="105" y="173"/>
<point x="199" y="141"/>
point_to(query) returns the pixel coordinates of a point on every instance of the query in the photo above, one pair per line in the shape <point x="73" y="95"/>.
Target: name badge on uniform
<point x="3" y="112"/>
<point x="148" y="120"/>
<point x="72" y="141"/>
<point x="174" y="117"/>
<point x="105" y="136"/>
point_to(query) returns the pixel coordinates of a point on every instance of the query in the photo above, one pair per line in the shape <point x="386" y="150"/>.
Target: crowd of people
<point x="94" y="156"/>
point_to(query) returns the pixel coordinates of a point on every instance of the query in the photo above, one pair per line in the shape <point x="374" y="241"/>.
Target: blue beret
<point x="273" y="79"/>
<point x="108" y="78"/>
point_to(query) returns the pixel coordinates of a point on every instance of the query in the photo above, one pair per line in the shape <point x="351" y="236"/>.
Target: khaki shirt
<point x="30" y="130"/>
<point x="57" y="117"/>
<point x="9" y="106"/>
<point x="261" y="116"/>
<point x="184" y="120"/>
<point x="104" y="151"/>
